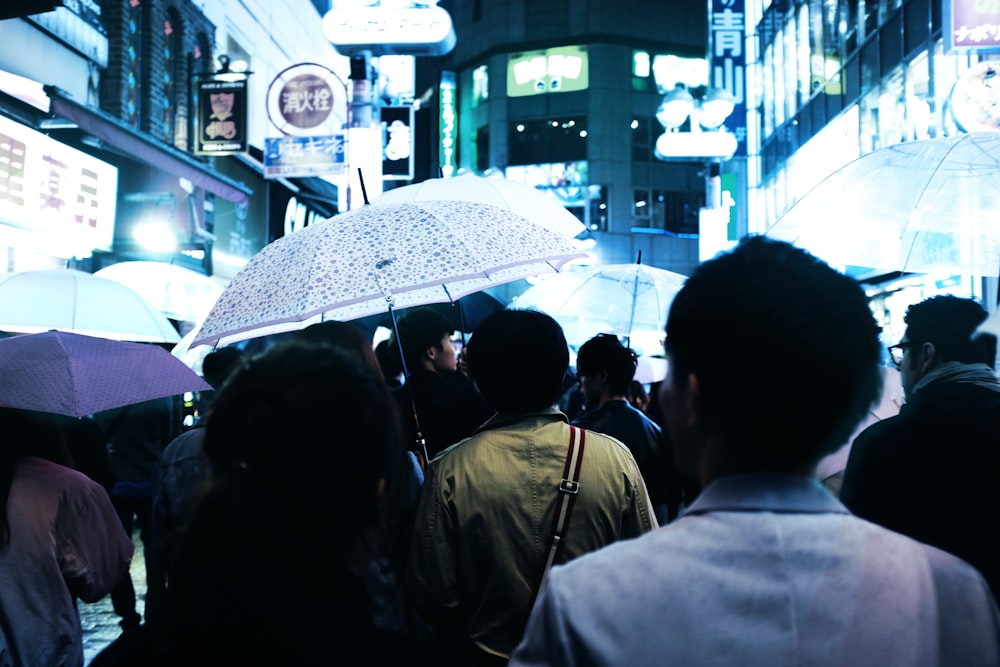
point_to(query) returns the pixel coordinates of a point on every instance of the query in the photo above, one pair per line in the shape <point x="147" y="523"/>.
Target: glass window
<point x="553" y="140"/>
<point x="918" y="98"/>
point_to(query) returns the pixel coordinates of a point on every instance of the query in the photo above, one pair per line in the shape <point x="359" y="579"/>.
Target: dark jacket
<point x="649" y="447"/>
<point x="933" y="473"/>
<point x="449" y="408"/>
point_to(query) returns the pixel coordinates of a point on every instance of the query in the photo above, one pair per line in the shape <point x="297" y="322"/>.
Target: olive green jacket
<point x="485" y="516"/>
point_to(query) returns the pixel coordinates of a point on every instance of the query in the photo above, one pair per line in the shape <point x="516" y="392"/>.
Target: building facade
<point x="563" y="96"/>
<point x="98" y="108"/>
<point x="837" y="80"/>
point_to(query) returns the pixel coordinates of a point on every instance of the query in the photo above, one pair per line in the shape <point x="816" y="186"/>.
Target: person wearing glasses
<point x="765" y="567"/>
<point x="933" y="471"/>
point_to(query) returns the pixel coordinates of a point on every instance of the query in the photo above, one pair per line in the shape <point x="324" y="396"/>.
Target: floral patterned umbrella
<point x="375" y="257"/>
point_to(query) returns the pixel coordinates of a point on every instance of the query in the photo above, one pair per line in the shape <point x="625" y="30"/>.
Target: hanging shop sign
<point x="727" y="25"/>
<point x="54" y="199"/>
<point x="221" y="116"/>
<point x="447" y="125"/>
<point x="307" y="104"/>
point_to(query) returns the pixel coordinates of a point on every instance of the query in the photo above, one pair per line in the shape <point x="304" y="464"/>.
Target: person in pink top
<point x="60" y="540"/>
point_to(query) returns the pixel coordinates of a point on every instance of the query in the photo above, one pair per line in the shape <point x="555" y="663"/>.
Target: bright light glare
<point x="155" y="237"/>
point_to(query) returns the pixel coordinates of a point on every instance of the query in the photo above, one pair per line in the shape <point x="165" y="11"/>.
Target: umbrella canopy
<point x="364" y="261"/>
<point x="630" y="300"/>
<point x="179" y="293"/>
<point x="919" y="206"/>
<point x="73" y="375"/>
<point x="524" y="200"/>
<point x="79" y="302"/>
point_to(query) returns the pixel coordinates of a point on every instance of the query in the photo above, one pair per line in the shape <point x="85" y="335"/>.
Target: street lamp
<point x="703" y="111"/>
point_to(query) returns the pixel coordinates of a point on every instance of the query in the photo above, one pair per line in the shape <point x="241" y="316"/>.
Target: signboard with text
<point x="727" y="27"/>
<point x="304" y="156"/>
<point x="57" y="200"/>
<point x="222" y="117"/>
<point x="971" y="26"/>
<point x="397" y="143"/>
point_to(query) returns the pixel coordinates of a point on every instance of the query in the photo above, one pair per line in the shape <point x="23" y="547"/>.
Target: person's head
<point x="637" y="395"/>
<point x="518" y="359"/>
<point x="343" y="336"/>
<point x="305" y="445"/>
<point x="939" y="330"/>
<point x="605" y="368"/>
<point x="426" y="341"/>
<point x="220" y="364"/>
<point x="774" y="359"/>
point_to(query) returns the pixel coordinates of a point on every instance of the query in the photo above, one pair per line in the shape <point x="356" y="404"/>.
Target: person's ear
<point x="925" y="359"/>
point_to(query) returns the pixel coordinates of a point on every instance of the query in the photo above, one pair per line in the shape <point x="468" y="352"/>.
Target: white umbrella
<point x="524" y="200"/>
<point x="629" y="300"/>
<point x="919" y="206"/>
<point x="82" y="303"/>
<point x="179" y="293"/>
<point x="374" y="258"/>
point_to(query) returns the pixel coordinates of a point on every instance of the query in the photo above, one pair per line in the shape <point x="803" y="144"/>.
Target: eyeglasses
<point x="896" y="352"/>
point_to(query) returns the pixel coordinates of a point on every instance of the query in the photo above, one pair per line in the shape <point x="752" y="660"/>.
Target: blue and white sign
<point x="727" y="25"/>
<point x="304" y="156"/>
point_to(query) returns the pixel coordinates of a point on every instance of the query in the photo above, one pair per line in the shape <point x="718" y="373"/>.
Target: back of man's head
<point x="949" y="322"/>
<point x="420" y="328"/>
<point x="604" y="353"/>
<point x="220" y="364"/>
<point x="785" y="350"/>
<point x="518" y="359"/>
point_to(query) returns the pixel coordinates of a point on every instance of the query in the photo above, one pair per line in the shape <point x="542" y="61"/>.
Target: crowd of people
<point x="407" y="502"/>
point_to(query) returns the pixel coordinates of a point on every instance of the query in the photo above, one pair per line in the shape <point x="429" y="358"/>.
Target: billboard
<point x="221" y="120"/>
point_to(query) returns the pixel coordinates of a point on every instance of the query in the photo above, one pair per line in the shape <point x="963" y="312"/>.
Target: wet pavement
<point x="99" y="621"/>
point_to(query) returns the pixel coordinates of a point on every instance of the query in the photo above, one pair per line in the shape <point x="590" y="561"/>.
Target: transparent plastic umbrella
<point x="629" y="300"/>
<point x="79" y="302"/>
<point x="919" y="206"/>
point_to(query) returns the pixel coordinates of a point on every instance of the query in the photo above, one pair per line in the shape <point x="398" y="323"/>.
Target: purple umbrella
<point x="76" y="375"/>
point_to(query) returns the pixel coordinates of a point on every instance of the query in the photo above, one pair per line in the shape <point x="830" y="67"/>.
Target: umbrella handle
<point x="406" y="374"/>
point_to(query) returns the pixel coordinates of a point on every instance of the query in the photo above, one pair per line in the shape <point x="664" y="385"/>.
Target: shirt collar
<point x="502" y="419"/>
<point x="766" y="493"/>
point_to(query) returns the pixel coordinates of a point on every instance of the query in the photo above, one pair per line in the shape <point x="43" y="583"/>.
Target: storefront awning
<point x="129" y="140"/>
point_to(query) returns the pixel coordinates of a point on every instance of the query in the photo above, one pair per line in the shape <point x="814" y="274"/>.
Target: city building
<point x="837" y="80"/>
<point x="110" y="149"/>
<point x="565" y="99"/>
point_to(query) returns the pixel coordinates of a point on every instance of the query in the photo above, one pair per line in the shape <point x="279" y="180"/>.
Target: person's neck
<point x="607" y="398"/>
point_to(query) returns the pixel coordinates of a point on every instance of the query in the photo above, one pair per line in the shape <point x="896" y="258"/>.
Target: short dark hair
<point x="419" y="328"/>
<point x="605" y="353"/>
<point x="949" y="322"/>
<point x="220" y="364"/>
<point x="786" y="351"/>
<point x="343" y="336"/>
<point x="518" y="359"/>
<point x="298" y="411"/>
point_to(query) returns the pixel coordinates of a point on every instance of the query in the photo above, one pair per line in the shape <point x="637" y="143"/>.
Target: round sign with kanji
<point x="307" y="99"/>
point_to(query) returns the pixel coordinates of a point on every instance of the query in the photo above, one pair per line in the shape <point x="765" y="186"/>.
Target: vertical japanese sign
<point x="397" y="142"/>
<point x="307" y="104"/>
<point x="727" y="35"/>
<point x="971" y="26"/>
<point x="222" y="117"/>
<point x="447" y="125"/>
<point x="62" y="198"/>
